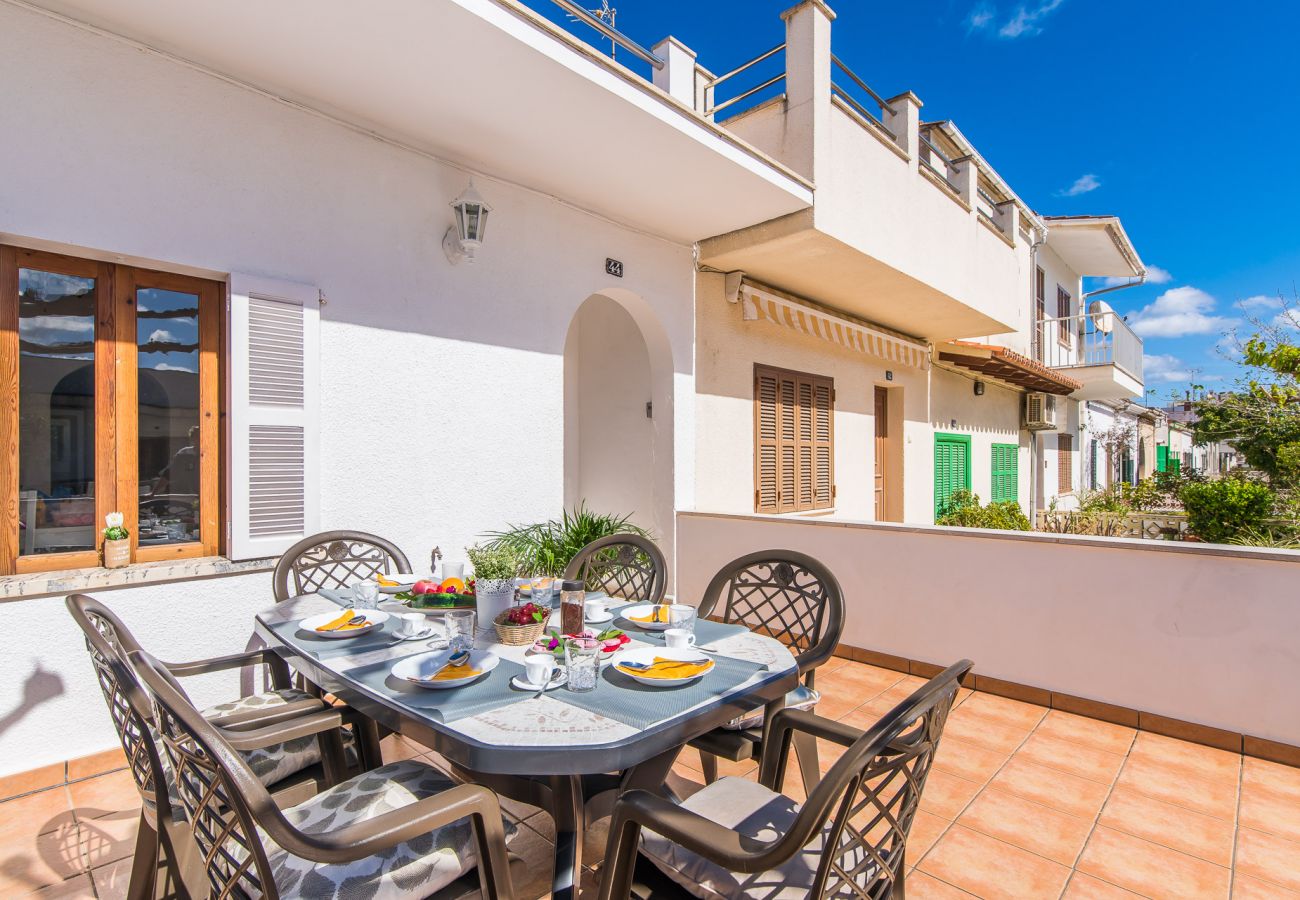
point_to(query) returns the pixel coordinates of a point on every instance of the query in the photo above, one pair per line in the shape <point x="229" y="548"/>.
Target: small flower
<point x="114" y="520"/>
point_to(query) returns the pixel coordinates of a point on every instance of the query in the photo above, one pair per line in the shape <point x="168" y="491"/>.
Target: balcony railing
<point x="1093" y="339"/>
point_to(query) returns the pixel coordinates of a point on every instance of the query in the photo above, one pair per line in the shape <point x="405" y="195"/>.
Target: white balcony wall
<point x="443" y="396"/>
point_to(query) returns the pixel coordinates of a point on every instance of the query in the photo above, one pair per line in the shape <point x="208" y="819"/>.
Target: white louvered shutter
<point x="274" y="415"/>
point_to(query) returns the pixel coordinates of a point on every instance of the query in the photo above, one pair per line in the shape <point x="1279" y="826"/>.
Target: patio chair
<point x="293" y="768"/>
<point x="622" y="565"/>
<point x="793" y="598"/>
<point x="334" y="559"/>
<point x="402" y="830"/>
<point x="736" y="838"/>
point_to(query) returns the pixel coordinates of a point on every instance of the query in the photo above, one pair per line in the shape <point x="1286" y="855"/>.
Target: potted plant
<point x="547" y="548"/>
<point x="494" y="579"/>
<point x="117" y="542"/>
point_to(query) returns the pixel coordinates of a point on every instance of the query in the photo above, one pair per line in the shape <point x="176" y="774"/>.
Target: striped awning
<point x="765" y="304"/>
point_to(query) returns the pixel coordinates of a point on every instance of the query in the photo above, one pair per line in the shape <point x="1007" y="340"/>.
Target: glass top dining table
<point x="560" y="743"/>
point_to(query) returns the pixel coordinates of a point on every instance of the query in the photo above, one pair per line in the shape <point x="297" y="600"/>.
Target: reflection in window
<point x="167" y="334"/>
<point x="56" y="412"/>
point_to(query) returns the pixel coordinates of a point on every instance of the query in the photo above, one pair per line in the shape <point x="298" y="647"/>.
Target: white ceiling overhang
<point x="484" y="84"/>
<point x="1094" y="245"/>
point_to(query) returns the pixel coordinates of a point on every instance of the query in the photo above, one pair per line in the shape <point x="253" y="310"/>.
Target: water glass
<point x="582" y="662"/>
<point x="460" y="629"/>
<point x="541" y="590"/>
<point x="365" y="595"/>
<point x="682" y="616"/>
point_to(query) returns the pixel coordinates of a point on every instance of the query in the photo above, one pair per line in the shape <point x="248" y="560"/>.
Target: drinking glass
<point x="682" y="616"/>
<point x="541" y="590"/>
<point x="460" y="629"/>
<point x="582" y="661"/>
<point x="365" y="595"/>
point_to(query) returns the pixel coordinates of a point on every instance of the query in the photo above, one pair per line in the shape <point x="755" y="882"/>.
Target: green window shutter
<point x="951" y="467"/>
<point x="1162" y="457"/>
<point x="1006" y="473"/>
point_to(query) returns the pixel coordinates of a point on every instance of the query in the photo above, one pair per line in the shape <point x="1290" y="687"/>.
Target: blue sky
<point x="1179" y="117"/>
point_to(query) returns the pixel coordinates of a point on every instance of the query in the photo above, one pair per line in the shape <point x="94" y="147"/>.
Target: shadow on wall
<point x="41" y="687"/>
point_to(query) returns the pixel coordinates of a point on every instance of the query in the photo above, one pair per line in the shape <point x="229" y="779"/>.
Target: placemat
<point x="628" y="701"/>
<point x="333" y="648"/>
<point x="447" y="705"/>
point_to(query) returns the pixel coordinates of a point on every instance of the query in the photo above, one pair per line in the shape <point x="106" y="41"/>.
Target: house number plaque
<point x="614" y="267"/>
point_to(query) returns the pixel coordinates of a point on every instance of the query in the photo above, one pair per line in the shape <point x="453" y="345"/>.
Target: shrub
<point x="547" y="547"/>
<point x="1218" y="511"/>
<point x="493" y="563"/>
<point x="964" y="510"/>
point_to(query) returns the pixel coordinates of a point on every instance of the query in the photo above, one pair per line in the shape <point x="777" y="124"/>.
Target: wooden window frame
<point x="1064" y="464"/>
<point x="1064" y="299"/>
<point x="792" y="444"/>
<point x="116" y="406"/>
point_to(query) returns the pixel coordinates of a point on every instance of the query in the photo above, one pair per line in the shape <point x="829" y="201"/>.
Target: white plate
<point x="559" y="679"/>
<point x="647" y="655"/>
<point x="417" y="669"/>
<point x="605" y="616"/>
<point x="405" y="581"/>
<point x="375" y="618"/>
<point x="645" y="609"/>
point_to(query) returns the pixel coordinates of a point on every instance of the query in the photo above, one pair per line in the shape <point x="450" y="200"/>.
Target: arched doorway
<point x="618" y="413"/>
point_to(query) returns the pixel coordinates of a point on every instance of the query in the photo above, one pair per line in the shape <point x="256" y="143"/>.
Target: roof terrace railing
<point x="712" y="108"/>
<point x="584" y="15"/>
<point x="1092" y="339"/>
<point x="930" y="152"/>
<point x="876" y="118"/>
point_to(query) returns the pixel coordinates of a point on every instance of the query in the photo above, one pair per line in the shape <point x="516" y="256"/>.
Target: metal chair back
<point x="622" y="565"/>
<point x="335" y="559"/>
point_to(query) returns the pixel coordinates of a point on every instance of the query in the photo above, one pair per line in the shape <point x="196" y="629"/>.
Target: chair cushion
<point x="275" y="763"/>
<point x="416" y="868"/>
<point x="748" y="808"/>
<point x="801" y="697"/>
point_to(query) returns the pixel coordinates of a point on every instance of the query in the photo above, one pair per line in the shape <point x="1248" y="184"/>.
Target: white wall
<point x="993" y="418"/>
<point x="1202" y="635"/>
<point x="442" y="386"/>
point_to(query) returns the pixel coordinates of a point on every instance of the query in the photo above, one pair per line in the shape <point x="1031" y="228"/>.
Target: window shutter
<point x="1064" y="463"/>
<point x="274" y="415"/>
<point x="766" y="444"/>
<point x="1006" y="473"/>
<point x="788" y="467"/>
<point x="804" y="442"/>
<point x="823" y="444"/>
<point x="951" y="468"/>
<point x="1162" y="457"/>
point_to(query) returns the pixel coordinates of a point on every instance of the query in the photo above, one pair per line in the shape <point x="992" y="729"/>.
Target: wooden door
<point x="882" y="453"/>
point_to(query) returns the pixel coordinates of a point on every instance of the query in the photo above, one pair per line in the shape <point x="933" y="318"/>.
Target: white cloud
<point x="1164" y="367"/>
<point x="168" y="367"/>
<point x="1026" y="19"/>
<point x="71" y="324"/>
<point x="1288" y="318"/>
<point x="1082" y="185"/>
<point x="164" y="336"/>
<point x="1179" y="312"/>
<point x="1260" y="301"/>
<point x="1155" y="275"/>
<point x="981" y="16"/>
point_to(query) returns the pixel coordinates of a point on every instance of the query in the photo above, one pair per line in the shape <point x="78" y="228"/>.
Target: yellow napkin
<point x="669" y="668"/>
<point x="658" y="615"/>
<point x="341" y="623"/>
<point x="449" y="673"/>
<point x="385" y="582"/>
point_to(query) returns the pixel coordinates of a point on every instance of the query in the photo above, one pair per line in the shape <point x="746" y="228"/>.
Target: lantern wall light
<point x="463" y="239"/>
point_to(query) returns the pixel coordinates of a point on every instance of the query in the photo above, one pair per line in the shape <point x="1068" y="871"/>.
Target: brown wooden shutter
<point x="765" y="442"/>
<point x="1064" y="463"/>
<point x="794" y="432"/>
<point x="788" y="457"/>
<point x="823" y="443"/>
<point x="1063" y="321"/>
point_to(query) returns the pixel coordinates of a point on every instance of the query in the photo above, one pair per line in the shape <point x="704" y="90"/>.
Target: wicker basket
<point x="516" y="635"/>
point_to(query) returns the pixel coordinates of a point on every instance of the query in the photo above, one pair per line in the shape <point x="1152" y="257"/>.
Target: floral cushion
<point x="750" y="809"/>
<point x="416" y="868"/>
<point x="275" y="763"/>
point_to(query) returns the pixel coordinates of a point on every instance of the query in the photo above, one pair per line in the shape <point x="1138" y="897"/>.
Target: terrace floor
<point x="1023" y="802"/>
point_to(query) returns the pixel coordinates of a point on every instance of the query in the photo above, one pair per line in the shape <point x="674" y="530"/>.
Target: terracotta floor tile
<point x="1274" y="812"/>
<point x="946" y="795"/>
<point x="987" y="867"/>
<point x="1151" y="777"/>
<point x="104" y="794"/>
<point x="1150" y="869"/>
<point x="108" y="838"/>
<point x="921" y="886"/>
<point x="970" y="725"/>
<point x="1192" y="759"/>
<point x="111" y="881"/>
<point x="967" y="760"/>
<point x="926" y="829"/>
<point x="26" y="865"/>
<point x="1090" y="732"/>
<point x="78" y="888"/>
<point x="34" y="814"/>
<point x="1077" y="759"/>
<point x="31" y="780"/>
<point x="1245" y="887"/>
<point x="109" y="760"/>
<point x="1028" y="825"/>
<point x="1268" y="857"/>
<point x="1262" y="776"/>
<point x="1085" y="887"/>
<point x="868" y="713"/>
<point x="838" y="704"/>
<point x="1051" y="787"/>
<point x="856" y="681"/>
<point x="1004" y="709"/>
<point x="1172" y="826"/>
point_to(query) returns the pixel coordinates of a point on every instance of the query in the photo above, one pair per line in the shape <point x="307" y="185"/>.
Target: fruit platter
<point x="553" y="642"/>
<point x="438" y="596"/>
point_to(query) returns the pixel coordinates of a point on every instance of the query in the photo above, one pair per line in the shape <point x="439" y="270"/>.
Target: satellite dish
<point x="1103" y="317"/>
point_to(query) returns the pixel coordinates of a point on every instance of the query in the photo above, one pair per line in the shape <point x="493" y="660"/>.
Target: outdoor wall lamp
<point x="463" y="239"/>
<point x="979" y="389"/>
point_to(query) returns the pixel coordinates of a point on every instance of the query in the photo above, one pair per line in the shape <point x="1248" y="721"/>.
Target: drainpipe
<point x="1035" y="472"/>
<point x="1117" y="287"/>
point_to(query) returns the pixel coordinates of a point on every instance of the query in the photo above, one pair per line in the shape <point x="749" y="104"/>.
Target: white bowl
<point x="375" y="618"/>
<point x="647" y="655"/>
<point x="646" y="609"/>
<point x="417" y="669"/>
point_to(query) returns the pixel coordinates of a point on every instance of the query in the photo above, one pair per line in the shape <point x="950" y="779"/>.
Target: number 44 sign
<point x="614" y="267"/>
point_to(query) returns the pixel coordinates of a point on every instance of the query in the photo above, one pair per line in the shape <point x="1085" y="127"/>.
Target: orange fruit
<point x="453" y="586"/>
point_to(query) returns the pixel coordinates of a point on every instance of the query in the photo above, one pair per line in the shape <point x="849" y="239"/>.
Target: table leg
<point x="570" y="824"/>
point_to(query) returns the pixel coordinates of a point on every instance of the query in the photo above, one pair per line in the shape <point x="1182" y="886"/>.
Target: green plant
<point x="964" y="510"/>
<point x="1108" y="500"/>
<point x="1218" y="511"/>
<point x="493" y="563"/>
<point x="115" y="531"/>
<point x="547" y="547"/>
<point x="1273" y="537"/>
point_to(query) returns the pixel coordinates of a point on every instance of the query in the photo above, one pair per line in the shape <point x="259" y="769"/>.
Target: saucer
<point x="601" y="619"/>
<point x="419" y="635"/>
<point x="558" y="679"/>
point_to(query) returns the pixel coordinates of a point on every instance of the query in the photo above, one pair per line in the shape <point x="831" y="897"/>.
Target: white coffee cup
<point x="594" y="608"/>
<point x="679" y="638"/>
<point x="411" y="624"/>
<point x="539" y="668"/>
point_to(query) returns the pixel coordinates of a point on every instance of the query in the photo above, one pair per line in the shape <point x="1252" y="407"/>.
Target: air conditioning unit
<point x="1040" y="411"/>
